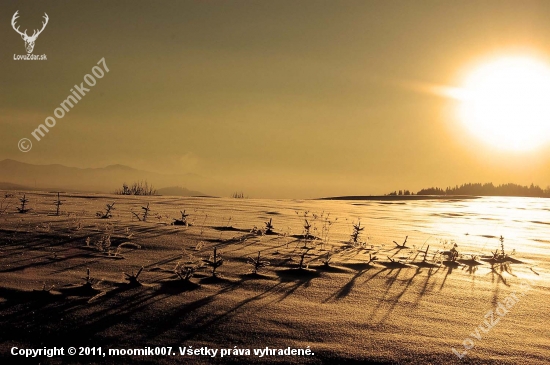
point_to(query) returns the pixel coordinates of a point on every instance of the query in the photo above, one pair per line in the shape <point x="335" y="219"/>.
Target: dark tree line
<point x="489" y="189"/>
<point x="401" y="192"/>
<point x="137" y="188"/>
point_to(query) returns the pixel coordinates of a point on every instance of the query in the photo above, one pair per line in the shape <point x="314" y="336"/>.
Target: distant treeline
<point x="484" y="190"/>
<point x="137" y="188"/>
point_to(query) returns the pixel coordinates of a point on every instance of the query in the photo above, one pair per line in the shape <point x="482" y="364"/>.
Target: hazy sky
<point x="280" y="98"/>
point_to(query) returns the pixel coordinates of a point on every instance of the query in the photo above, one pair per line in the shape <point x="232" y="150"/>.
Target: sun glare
<point x="506" y="103"/>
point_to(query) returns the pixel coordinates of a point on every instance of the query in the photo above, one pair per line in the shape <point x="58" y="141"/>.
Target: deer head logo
<point x="29" y="41"/>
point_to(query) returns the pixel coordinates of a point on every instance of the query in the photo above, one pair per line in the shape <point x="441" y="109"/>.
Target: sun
<point x="506" y="103"/>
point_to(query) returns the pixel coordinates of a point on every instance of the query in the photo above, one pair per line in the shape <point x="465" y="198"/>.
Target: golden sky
<point x="277" y="98"/>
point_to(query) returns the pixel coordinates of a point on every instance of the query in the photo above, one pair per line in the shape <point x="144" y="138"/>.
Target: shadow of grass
<point x="176" y="286"/>
<point x="256" y="276"/>
<point x="296" y="274"/>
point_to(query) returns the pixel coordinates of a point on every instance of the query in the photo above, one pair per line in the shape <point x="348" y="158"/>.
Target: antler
<point x="35" y="34"/>
<point x="13" y="19"/>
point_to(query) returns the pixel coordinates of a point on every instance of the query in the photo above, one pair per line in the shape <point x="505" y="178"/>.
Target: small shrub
<point x="452" y="255"/>
<point x="184" y="272"/>
<point x="214" y="261"/>
<point x="307" y="229"/>
<point x="357" y="229"/>
<point x="24" y="202"/>
<point x="88" y="280"/>
<point x="327" y="259"/>
<point x="269" y="227"/>
<point x="426" y="254"/>
<point x="44" y="289"/>
<point x="255" y="230"/>
<point x="403" y="244"/>
<point x="182" y="221"/>
<point x="325" y="230"/>
<point x="74" y="222"/>
<point x="128" y="233"/>
<point x="133" y="278"/>
<point x="502" y="255"/>
<point x="257" y="263"/>
<point x="58" y="203"/>
<point x="107" y="214"/>
<point x="199" y="246"/>
<point x="302" y="258"/>
<point x="372" y="259"/>
<point x="144" y="215"/>
<point x="104" y="243"/>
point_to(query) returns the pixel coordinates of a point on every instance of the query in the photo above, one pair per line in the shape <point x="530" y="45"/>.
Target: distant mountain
<point x="105" y="179"/>
<point x="10" y="186"/>
<point x="178" y="191"/>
